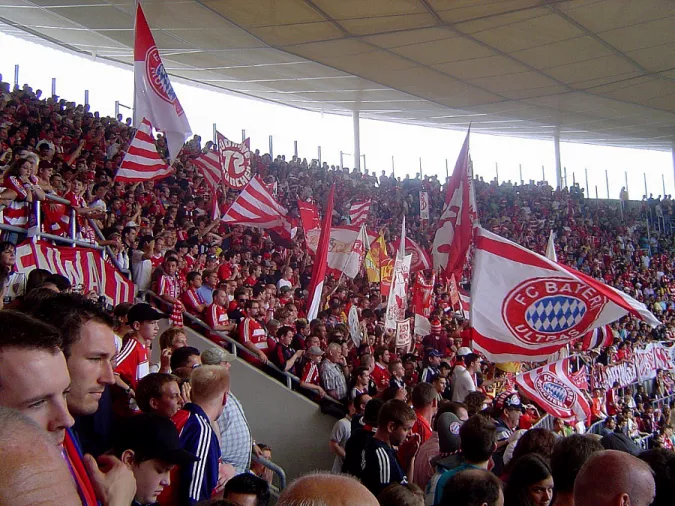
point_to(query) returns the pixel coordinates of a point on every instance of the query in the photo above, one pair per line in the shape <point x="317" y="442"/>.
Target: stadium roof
<point x="602" y="71"/>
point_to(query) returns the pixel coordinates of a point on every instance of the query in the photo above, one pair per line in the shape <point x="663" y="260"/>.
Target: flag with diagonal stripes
<point x="142" y="162"/>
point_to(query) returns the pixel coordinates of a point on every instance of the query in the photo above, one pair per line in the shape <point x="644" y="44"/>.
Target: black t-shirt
<point x="379" y="466"/>
<point x="353" y="448"/>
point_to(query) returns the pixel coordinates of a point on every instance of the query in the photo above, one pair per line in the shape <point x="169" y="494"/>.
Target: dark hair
<point x="61" y="282"/>
<point x="379" y="352"/>
<point x="35" y="277"/>
<point x="35" y="297"/>
<point x="537" y="440"/>
<point x="401" y="495"/>
<point x="471" y="487"/>
<point x="283" y="330"/>
<point x="150" y="387"/>
<point x="474" y="402"/>
<point x="15" y="167"/>
<point x="423" y="394"/>
<point x="180" y="356"/>
<point x="358" y="400"/>
<point x="662" y="462"/>
<point x="394" y="411"/>
<point x="250" y="484"/>
<point x="191" y="276"/>
<point x="478" y="436"/>
<point x="72" y="311"/>
<point x="527" y="470"/>
<point x="21" y="331"/>
<point x="569" y="454"/>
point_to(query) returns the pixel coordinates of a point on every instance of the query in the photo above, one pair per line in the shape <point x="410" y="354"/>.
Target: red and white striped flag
<point x="255" y="207"/>
<point x="598" y="338"/>
<point x="209" y="166"/>
<point x="154" y="96"/>
<point x="552" y="388"/>
<point x="142" y="162"/>
<point x="320" y="260"/>
<point x="525" y="307"/>
<point x="358" y="213"/>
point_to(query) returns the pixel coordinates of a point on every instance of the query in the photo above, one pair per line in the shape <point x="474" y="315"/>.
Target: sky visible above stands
<point x="379" y="140"/>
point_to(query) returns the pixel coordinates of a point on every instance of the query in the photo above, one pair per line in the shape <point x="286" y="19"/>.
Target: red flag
<point x="209" y="166"/>
<point x="422" y="291"/>
<point x="525" y="307"/>
<point x="309" y="216"/>
<point x="455" y="227"/>
<point x="552" y="388"/>
<point x="321" y="260"/>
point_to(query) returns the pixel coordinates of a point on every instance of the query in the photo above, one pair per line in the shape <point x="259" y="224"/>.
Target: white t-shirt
<point x="283" y="282"/>
<point x="462" y="385"/>
<point x="340" y="434"/>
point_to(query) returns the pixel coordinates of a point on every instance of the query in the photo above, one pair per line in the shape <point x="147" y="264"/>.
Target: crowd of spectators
<point x="416" y="426"/>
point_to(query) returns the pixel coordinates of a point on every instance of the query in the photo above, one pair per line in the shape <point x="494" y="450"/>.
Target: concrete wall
<point x="290" y="424"/>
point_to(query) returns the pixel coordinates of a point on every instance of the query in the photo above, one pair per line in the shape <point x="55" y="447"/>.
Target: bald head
<point x="323" y="489"/>
<point x="32" y="471"/>
<point x="613" y="478"/>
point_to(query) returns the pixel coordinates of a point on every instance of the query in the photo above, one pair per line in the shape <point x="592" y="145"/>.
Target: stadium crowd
<point x="432" y="425"/>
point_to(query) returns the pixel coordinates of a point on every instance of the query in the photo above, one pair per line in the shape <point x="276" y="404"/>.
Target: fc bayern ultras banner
<point x="551" y="387"/>
<point x="524" y="307"/>
<point x="455" y="226"/>
<point x="422" y="292"/>
<point x="85" y="268"/>
<point x="235" y="160"/>
<point x="424" y="206"/>
<point x="154" y="96"/>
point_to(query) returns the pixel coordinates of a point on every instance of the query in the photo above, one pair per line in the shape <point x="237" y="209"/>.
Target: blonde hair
<point x="167" y="337"/>
<point x="209" y="381"/>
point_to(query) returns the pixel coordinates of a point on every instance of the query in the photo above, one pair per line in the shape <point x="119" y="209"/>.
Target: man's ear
<point x="128" y="457"/>
<point x="153" y="402"/>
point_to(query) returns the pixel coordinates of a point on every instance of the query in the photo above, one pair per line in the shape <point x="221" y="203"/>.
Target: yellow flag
<point x="377" y="251"/>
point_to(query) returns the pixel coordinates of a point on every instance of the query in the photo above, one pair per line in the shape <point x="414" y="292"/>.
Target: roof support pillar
<point x="672" y="153"/>
<point x="558" y="166"/>
<point x="357" y="140"/>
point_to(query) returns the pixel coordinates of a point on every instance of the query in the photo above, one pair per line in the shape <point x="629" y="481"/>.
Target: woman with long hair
<point x="530" y="482"/>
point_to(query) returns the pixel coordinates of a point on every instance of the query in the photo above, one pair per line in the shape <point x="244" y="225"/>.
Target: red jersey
<point x="17" y="212"/>
<point x="191" y="299"/>
<point x="156" y="260"/>
<point x="132" y="363"/>
<point x="310" y="373"/>
<point x="168" y="285"/>
<point x="250" y="331"/>
<point x="422" y="428"/>
<point x="381" y="377"/>
<point x="215" y="315"/>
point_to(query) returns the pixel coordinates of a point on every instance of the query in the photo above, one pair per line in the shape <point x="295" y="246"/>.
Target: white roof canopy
<point x="601" y="71"/>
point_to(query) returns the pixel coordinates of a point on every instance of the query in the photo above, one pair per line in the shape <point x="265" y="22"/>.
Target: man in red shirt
<point x="216" y="315"/>
<point x="252" y="334"/>
<point x="425" y="404"/>
<point x="381" y="374"/>
<point x="192" y="300"/>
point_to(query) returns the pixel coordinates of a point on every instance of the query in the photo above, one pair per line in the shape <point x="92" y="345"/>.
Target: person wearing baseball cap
<point x="432" y="369"/>
<point x="133" y="359"/>
<point x="149" y="446"/>
<point x="508" y="408"/>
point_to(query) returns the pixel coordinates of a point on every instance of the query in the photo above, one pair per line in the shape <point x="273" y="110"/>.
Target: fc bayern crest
<point x="555" y="391"/>
<point x="236" y="162"/>
<point x="544" y="311"/>
<point x="159" y="79"/>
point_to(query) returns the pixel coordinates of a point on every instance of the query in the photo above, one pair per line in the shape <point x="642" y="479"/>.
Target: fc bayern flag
<point x="154" y="96"/>
<point x="552" y="388"/>
<point x="420" y="258"/>
<point x="320" y="260"/>
<point x="525" y="307"/>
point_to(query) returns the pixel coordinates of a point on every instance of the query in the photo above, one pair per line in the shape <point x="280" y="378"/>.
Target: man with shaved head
<point x="613" y="478"/>
<point x="323" y="489"/>
<point x="32" y="471"/>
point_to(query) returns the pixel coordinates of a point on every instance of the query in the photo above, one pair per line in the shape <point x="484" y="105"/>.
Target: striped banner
<point x="142" y="161"/>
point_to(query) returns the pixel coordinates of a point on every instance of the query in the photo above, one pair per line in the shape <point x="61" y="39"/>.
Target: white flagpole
<point x="550" y="248"/>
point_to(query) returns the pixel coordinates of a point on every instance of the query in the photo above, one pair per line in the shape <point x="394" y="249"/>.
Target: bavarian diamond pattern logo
<point x="554" y="314"/>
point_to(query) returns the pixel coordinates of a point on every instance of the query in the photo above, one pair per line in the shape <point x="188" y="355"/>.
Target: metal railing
<point x="236" y="348"/>
<point x="277" y="470"/>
